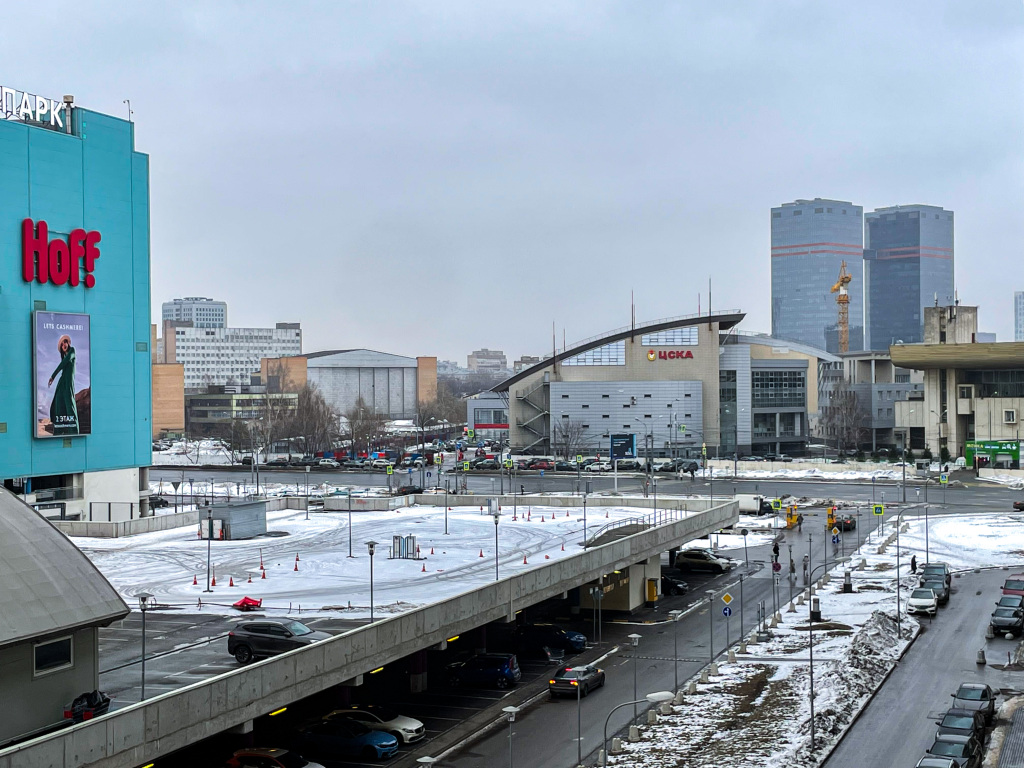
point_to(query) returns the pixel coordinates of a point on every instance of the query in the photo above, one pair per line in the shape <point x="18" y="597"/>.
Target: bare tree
<point x="843" y="418"/>
<point x="570" y="437"/>
<point x="446" y="406"/>
<point x="316" y="422"/>
<point x="362" y="423"/>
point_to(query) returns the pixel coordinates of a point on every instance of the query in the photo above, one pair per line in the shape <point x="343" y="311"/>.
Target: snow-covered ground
<point x="328" y="581"/>
<point x="755" y="712"/>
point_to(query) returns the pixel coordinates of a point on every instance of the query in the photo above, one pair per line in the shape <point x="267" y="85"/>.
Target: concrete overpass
<point x="143" y="732"/>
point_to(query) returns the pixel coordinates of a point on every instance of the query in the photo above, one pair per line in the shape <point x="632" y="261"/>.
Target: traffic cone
<point x="524" y="559"/>
<point x="424" y="568"/>
<point x="296" y="557"/>
<point x="481" y="507"/>
<point x="606" y="514"/>
<point x="431" y="550"/>
<point x="542" y="518"/>
<point x="231" y="581"/>
<point x="296" y="565"/>
<point x="195" y="581"/>
<point x="250" y="578"/>
<point x="567" y="513"/>
<point x="264" y="575"/>
<point x="563" y="547"/>
<point x="481" y="553"/>
<point x="214" y="582"/>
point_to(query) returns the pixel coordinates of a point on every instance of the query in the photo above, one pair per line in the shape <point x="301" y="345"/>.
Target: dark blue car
<point x="551" y="636"/>
<point x="498" y="670"/>
<point x="341" y="738"/>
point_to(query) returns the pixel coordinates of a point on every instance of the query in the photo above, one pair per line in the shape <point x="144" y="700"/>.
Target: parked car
<point x="268" y="637"/>
<point x="940" y="588"/>
<point x="565" y="466"/>
<point x="158" y="502"/>
<point x="686" y="467"/>
<point x="702" y="560"/>
<point x="936" y="570"/>
<point x="922" y="600"/>
<point x="1014" y="585"/>
<point x="278" y="462"/>
<point x="1007" y="620"/>
<point x="1019" y="506"/>
<point x="783" y="457"/>
<point x="306" y="461"/>
<point x="255" y="757"/>
<point x="978" y="697"/>
<point x="378" y="718"/>
<point x="487" y="669"/>
<point x="751" y="458"/>
<point x="381" y="463"/>
<point x="962" y="722"/>
<point x="408" y="490"/>
<point x="932" y="761"/>
<point x="328" y="464"/>
<point x="1011" y="601"/>
<point x="629" y="465"/>
<point x="542" y="464"/>
<point x="964" y="750"/>
<point x="599" y="466"/>
<point x="552" y="636"/>
<point x="356" y="464"/>
<point x="575" y="681"/>
<point x="484" y="464"/>
<point x="670" y="585"/>
<point x="344" y="738"/>
<point x="246" y="461"/>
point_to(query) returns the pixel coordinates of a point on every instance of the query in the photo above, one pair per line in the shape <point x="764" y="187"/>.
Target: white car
<point x="378" y="718"/>
<point x="330" y="463"/>
<point x="381" y="463"/>
<point x="922" y="601"/>
<point x="600" y="466"/>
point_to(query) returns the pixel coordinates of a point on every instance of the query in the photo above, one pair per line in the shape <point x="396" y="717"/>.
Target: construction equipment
<point x="843" y="300"/>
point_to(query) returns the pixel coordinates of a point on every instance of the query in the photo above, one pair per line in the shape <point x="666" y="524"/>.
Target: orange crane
<point x="843" y="300"/>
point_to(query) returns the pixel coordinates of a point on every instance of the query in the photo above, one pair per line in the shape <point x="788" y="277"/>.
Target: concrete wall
<point x="126" y="527"/>
<point x="143" y="732"/>
<point x="33" y="703"/>
<point x="371" y="504"/>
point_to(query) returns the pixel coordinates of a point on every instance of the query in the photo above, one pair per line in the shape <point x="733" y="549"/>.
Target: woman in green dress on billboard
<point x="63" y="410"/>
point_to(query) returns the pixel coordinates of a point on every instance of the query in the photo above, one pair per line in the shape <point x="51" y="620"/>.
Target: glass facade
<point x="810" y="240"/>
<point x="997" y="383"/>
<point x="778" y="389"/>
<point x="727" y="409"/>
<point x="609" y="354"/>
<point x="686" y="337"/>
<point x="908" y="265"/>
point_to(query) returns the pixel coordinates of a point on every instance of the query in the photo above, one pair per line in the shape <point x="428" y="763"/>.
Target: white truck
<point x="753" y="503"/>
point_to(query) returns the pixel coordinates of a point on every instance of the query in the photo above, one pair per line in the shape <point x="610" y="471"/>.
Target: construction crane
<point x="843" y="300"/>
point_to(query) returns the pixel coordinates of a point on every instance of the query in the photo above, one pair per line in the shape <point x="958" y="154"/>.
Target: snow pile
<point x="1010" y="481"/>
<point x="193" y="452"/>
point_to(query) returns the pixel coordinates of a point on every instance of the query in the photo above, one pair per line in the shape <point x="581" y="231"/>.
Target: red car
<point x="1014" y="585"/>
<point x="542" y="465"/>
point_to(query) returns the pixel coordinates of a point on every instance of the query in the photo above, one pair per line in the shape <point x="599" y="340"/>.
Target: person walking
<point x="799" y="523"/>
<point x="807" y="561"/>
<point x="913" y="564"/>
<point x="775" y="552"/>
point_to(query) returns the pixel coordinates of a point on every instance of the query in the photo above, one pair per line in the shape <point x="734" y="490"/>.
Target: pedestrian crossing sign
<point x="465" y="466"/>
<point x="943" y="478"/>
<point x="878" y="509"/>
<point x="390" y="469"/>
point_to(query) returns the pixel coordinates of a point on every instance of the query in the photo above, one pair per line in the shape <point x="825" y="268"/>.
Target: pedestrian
<point x="522" y="490"/>
<point x="807" y="560"/>
<point x="799" y="523"/>
<point x="913" y="564"/>
<point x="693" y="473"/>
<point x="775" y="552"/>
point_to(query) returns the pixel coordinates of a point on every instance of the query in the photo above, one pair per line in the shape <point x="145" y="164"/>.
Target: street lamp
<point x="144" y="598"/>
<point x="810" y="634"/>
<point x="579" y="672"/>
<point x="510" y="713"/>
<point x="676" y="615"/>
<point x="209" y="540"/>
<point x="496" y="513"/>
<point x="634" y="641"/>
<point x="658" y="697"/>
<point x="370" y="547"/>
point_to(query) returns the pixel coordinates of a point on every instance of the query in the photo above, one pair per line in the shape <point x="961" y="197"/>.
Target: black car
<point x="940" y="588"/>
<point x="499" y="670"/>
<point x="671" y="585"/>
<point x="407" y="490"/>
<point x="564" y="466"/>
<point x="1011" y="601"/>
<point x="552" y="636"/>
<point x="846" y="523"/>
<point x="1007" y="620"/>
<point x="158" y="502"/>
<point x="689" y="466"/>
<point x="575" y="681"/>
<point x="277" y="463"/>
<point x="268" y="637"/>
<point x="484" y="464"/>
<point x="629" y="465"/>
<point x="965" y="750"/>
<point x="936" y="570"/>
<point x="962" y="722"/>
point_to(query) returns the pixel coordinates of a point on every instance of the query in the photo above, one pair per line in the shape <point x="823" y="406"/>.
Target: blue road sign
<point x="410" y="470"/>
<point x="835" y="538"/>
<point x="428" y="474"/>
<point x="727" y="611"/>
<point x="542" y="473"/>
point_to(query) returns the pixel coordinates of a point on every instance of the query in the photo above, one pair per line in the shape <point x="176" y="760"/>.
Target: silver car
<point x="977" y="697"/>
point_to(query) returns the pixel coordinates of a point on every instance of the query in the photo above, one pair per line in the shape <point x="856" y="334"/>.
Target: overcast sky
<point x="431" y="178"/>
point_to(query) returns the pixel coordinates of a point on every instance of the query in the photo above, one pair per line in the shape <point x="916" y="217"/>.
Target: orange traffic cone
<point x="296" y="557"/>
<point x="195" y="581"/>
<point x="481" y="553"/>
<point x="431" y="550"/>
<point x="524" y="559"/>
<point x="231" y="581"/>
<point x="567" y="513"/>
<point x="424" y="568"/>
<point x="563" y="547"/>
<point x="481" y="508"/>
<point x="296" y="566"/>
<point x="606" y="514"/>
<point x="547" y="557"/>
<point x="542" y="518"/>
<point x="214" y="582"/>
<point x="264" y="575"/>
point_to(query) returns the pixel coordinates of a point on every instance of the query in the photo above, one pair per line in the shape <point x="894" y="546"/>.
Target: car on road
<point x="962" y="722"/>
<point x="381" y="463"/>
<point x="702" y="560"/>
<point x="689" y="466"/>
<point x="408" y="490"/>
<point x="1011" y="601"/>
<point x="499" y="670"/>
<point x="267" y="637"/>
<point x="939" y="587"/>
<point x="1014" y="585"/>
<point x="345" y="739"/>
<point x="922" y="600"/>
<point x="484" y="464"/>
<point x="978" y="697"/>
<point x="964" y="750"/>
<point x="935" y="570"/>
<point x="599" y="466"/>
<point x="565" y="466"/>
<point x="278" y="462"/>
<point x="630" y="465"/>
<point x="255" y="757"/>
<point x="328" y="464"/>
<point x="1005" y="620"/>
<point x="671" y="585"/>
<point x="357" y="464"/>
<point x="1019" y="506"/>
<point x="846" y="523"/>
<point x="378" y="718"/>
<point x="575" y="681"/>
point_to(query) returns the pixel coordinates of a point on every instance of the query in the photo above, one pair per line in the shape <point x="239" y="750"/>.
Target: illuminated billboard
<point x="61" y="360"/>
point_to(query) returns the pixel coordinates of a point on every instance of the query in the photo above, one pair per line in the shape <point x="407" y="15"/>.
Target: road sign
<point x="175" y="483"/>
<point x="835" y="531"/>
<point x="727" y="611"/>
<point x="703" y="449"/>
<point x="508" y="463"/>
<point x="465" y="466"/>
<point x="438" y="458"/>
<point x="391" y="469"/>
<point x="579" y="458"/>
<point x="777" y="505"/>
<point x="943" y="478"/>
<point x="776" y="567"/>
<point x="410" y="470"/>
<point x="428" y="474"/>
<point x="470" y="434"/>
<point x="878" y="509"/>
<point x="835" y="538"/>
<point x="726" y="598"/>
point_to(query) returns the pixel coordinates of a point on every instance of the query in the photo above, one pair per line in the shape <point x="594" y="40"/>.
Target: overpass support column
<point x="672" y="555"/>
<point x="480" y="640"/>
<point x="418" y="672"/>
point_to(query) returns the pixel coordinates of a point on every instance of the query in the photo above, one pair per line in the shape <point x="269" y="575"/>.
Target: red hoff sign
<point x="672" y="354"/>
<point x="58" y="261"/>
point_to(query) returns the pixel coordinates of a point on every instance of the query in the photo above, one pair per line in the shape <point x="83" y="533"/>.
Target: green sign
<point x="878" y="509"/>
<point x="465" y="466"/>
<point x="943" y="478"/>
<point x="390" y="469"/>
<point x="1001" y="453"/>
<point x="470" y="433"/>
<point x="579" y="458"/>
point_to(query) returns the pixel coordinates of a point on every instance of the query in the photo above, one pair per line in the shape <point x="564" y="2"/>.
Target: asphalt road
<point x="898" y="726"/>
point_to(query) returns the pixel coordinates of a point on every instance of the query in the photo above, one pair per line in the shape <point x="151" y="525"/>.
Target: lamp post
<point x="675" y="646"/>
<point x="711" y="624"/>
<point x="634" y="641"/>
<point x="810" y="634"/>
<point x="510" y="713"/>
<point x="496" y="513"/>
<point x="579" y="672"/>
<point x="307" y="491"/>
<point x="209" y="543"/>
<point x="370" y="547"/>
<point x="143" y="605"/>
<point x="658" y="697"/>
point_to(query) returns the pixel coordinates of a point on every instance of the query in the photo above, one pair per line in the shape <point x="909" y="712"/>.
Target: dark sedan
<point x="268" y="637"/>
<point x="964" y="750"/>
<point x="1007" y="620"/>
<point x="575" y="681"/>
<point x="961" y="722"/>
<point x="1019" y="506"/>
<point x="343" y="738"/>
<point x="939" y="587"/>
<point x="846" y="523"/>
<point x="671" y="585"/>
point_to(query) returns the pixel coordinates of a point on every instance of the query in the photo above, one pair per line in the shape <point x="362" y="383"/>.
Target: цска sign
<point x="22" y="106"/>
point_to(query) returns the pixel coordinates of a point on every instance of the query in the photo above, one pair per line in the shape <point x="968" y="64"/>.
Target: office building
<point x="487" y="361"/>
<point x="810" y="241"/>
<point x="908" y="265"/>
<point x="76" y="406"/>
<point x="225" y="356"/>
<point x="201" y="312"/>
<point x="1018" y="316"/>
<point x="524" y="362"/>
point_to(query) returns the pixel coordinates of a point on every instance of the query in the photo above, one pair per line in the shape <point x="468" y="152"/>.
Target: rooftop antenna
<point x="129" y="103"/>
